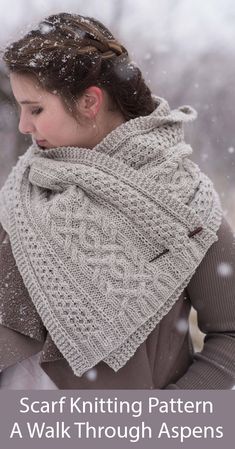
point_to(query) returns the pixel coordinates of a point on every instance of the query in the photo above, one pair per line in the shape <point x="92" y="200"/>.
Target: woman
<point x="109" y="231"/>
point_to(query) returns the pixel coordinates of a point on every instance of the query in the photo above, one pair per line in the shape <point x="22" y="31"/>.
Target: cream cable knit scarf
<point x="107" y="239"/>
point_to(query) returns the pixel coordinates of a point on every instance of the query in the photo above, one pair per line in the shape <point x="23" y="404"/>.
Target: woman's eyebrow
<point x="27" y="102"/>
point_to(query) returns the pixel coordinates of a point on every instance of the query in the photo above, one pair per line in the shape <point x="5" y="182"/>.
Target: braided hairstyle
<point x="67" y="53"/>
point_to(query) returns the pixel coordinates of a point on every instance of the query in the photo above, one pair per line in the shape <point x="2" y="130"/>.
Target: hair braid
<point x="68" y="53"/>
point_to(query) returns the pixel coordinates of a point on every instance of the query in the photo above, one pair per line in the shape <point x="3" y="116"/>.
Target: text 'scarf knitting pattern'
<point x="107" y="239"/>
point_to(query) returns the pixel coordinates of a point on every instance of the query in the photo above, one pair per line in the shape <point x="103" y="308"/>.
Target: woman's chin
<point x="44" y="147"/>
<point x="43" y="144"/>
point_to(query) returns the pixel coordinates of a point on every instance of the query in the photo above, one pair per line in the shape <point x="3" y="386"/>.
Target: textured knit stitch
<point x="107" y="239"/>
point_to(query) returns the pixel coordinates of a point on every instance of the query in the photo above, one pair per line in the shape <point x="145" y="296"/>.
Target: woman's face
<point x="44" y="117"/>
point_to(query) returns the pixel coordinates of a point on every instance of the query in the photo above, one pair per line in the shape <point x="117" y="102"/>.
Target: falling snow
<point x="182" y="325"/>
<point x="225" y="269"/>
<point x="46" y="28"/>
<point x="91" y="374"/>
<point x="147" y="56"/>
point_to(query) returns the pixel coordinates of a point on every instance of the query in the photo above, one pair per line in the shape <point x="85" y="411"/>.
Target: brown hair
<point x="67" y="53"/>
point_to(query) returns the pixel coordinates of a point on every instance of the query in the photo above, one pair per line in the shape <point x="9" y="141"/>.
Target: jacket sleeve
<point x="212" y="293"/>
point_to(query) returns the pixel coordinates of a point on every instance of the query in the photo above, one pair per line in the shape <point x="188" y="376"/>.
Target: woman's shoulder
<point x="211" y="288"/>
<point x="221" y="254"/>
<point x="225" y="230"/>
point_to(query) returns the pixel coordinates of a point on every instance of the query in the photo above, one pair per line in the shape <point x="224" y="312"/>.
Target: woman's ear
<point x="90" y="102"/>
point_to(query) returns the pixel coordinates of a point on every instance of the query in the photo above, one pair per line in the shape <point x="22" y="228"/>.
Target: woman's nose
<point x="25" y="125"/>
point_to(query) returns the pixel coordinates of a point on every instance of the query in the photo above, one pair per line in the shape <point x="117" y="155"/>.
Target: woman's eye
<point x="36" y="111"/>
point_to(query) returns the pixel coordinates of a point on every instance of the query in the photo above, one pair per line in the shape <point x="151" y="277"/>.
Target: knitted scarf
<point x="106" y="239"/>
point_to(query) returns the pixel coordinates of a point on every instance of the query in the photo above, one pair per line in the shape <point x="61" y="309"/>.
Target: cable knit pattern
<point x="107" y="239"/>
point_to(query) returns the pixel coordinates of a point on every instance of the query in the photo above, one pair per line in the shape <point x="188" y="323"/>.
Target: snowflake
<point x="147" y="56"/>
<point x="45" y="28"/>
<point x="91" y="374"/>
<point x="225" y="269"/>
<point x="182" y="325"/>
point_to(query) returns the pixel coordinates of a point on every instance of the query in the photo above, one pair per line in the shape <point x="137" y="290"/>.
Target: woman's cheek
<point x="46" y="126"/>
